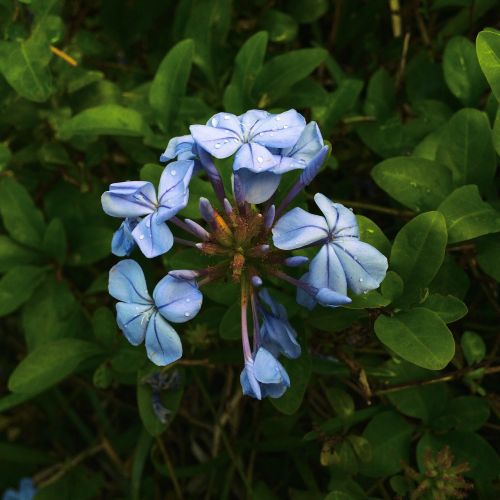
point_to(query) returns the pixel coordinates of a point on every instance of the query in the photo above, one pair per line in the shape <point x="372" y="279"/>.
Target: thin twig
<point x="170" y="468"/>
<point x="376" y="208"/>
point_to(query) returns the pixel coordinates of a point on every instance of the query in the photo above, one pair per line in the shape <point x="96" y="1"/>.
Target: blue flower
<point x="343" y="261"/>
<point x="123" y="242"/>
<point x="263" y="375"/>
<point x="181" y="148"/>
<point x="27" y="491"/>
<point x="253" y="136"/>
<point x="276" y="334"/>
<point x="133" y="199"/>
<point x="175" y="298"/>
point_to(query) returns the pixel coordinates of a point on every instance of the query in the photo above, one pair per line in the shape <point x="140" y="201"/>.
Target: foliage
<point x="400" y="380"/>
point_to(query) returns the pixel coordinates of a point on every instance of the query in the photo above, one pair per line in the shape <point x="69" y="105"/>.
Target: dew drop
<point x="226" y="117"/>
<point x="285" y="126"/>
<point x="186" y="314"/>
<point x="217" y="145"/>
<point x="188" y="300"/>
<point x="148" y="224"/>
<point x="350" y="209"/>
<point x="260" y="159"/>
<point x="214" y="122"/>
<point x="278" y="118"/>
<point x="141" y="237"/>
<point x="271" y="134"/>
<point x="173" y="172"/>
<point x="361" y="280"/>
<point x="225" y="141"/>
<point x="261" y="133"/>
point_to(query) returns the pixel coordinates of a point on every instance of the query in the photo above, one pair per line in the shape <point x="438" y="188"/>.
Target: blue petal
<point x="123" y="243"/>
<point x="258" y="187"/>
<point x="251" y="118"/>
<point x="219" y="142"/>
<point x="133" y="320"/>
<point x="153" y="238"/>
<point x="341" y="221"/>
<point x="249" y="383"/>
<point x="308" y="144"/>
<point x="313" y="166"/>
<point x="173" y="193"/>
<point x="285" y="164"/>
<point x="279" y="131"/>
<point x="330" y="298"/>
<point x="253" y="157"/>
<point x="177" y="299"/>
<point x="226" y="121"/>
<point x="364" y="266"/>
<point x="299" y="228"/>
<point x="180" y="148"/>
<point x="129" y="199"/>
<point x="163" y="345"/>
<point x="127" y="283"/>
<point x="303" y="298"/>
<point x="326" y="271"/>
<point x="267" y="368"/>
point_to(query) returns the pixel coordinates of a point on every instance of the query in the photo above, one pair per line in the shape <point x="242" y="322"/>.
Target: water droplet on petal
<point x="271" y="134"/>
<point x="225" y="141"/>
<point x="188" y="300"/>
<point x="217" y="145"/>
<point x="148" y="224"/>
<point x="350" y="209"/>
<point x="173" y="172"/>
<point x="261" y="133"/>
<point x="226" y="117"/>
<point x="361" y="280"/>
<point x="278" y="118"/>
<point x="141" y="237"/>
<point x="214" y="122"/>
<point x="186" y="314"/>
<point x="285" y="126"/>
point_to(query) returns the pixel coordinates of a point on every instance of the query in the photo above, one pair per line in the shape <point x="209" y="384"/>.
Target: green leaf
<point x="90" y="244"/>
<point x="370" y="233"/>
<point x="488" y="53"/>
<point x="17" y="285"/>
<point x="419" y="336"/>
<point x="170" y="399"/>
<point x="467" y="413"/>
<point x="54" y="302"/>
<point x="5" y="156"/>
<point x="108" y="119"/>
<point x="49" y="364"/>
<point x="466" y="147"/>
<point x="104" y="326"/>
<point x="467" y="215"/>
<point x="169" y="82"/>
<point x="462" y="71"/>
<point x="473" y="347"/>
<point x="249" y="61"/>
<point x="281" y="72"/>
<point x="54" y="240"/>
<point x="392" y="287"/>
<point x="338" y="104"/>
<point x="230" y="323"/>
<point x="299" y="371"/>
<point x="418" y="251"/>
<point x="448" y="307"/>
<point x="487" y="254"/>
<point x="21" y="218"/>
<point x="24" y="66"/>
<point x="151" y="172"/>
<point x="380" y="96"/>
<point x="389" y="435"/>
<point x="281" y="27"/>
<point x="12" y="254"/>
<point x="415" y="182"/>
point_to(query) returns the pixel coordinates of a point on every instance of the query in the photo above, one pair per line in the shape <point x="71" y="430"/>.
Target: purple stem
<point x="247" y="352"/>
<point x="187" y="243"/>
<point x="255" y="319"/>
<point x="179" y="223"/>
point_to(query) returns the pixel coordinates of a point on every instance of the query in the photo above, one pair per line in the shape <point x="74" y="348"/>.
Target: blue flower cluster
<point x="249" y="236"/>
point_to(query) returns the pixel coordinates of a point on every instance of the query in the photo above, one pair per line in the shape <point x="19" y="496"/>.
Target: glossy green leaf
<point x="462" y="71"/>
<point x="419" y="336"/>
<point x="54" y="240"/>
<point x="467" y="215"/>
<point x="169" y="83"/>
<point x="17" y="285"/>
<point x="389" y="435"/>
<point x="281" y="27"/>
<point x="417" y="183"/>
<point x="488" y="53"/>
<point x="380" y="96"/>
<point x="418" y="251"/>
<point x="467" y="149"/>
<point x="12" y="254"/>
<point x="487" y="254"/>
<point x="104" y="326"/>
<point x="49" y="364"/>
<point x="21" y="218"/>
<point x="108" y="119"/>
<point x="281" y="72"/>
<point x="370" y="233"/>
<point x="467" y="413"/>
<point x="473" y="347"/>
<point x="448" y="307"/>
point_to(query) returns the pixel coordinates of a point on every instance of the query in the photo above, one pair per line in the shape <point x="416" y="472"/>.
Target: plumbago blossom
<point x="249" y="239"/>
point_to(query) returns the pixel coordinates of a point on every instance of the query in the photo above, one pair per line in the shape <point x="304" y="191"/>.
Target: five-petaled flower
<point x="245" y="244"/>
